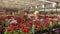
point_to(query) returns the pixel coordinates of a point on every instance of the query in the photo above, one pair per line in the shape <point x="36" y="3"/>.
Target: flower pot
<point x="56" y="29"/>
<point x="38" y="32"/>
<point x="45" y="32"/>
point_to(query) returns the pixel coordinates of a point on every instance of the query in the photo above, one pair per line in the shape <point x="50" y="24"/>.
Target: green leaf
<point x="5" y="33"/>
<point x="21" y="33"/>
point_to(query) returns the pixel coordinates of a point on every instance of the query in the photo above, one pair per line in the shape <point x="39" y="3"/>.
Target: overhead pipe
<point x="47" y="1"/>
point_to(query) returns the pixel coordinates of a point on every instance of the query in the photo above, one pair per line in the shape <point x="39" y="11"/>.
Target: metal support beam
<point x="44" y="8"/>
<point x="56" y="7"/>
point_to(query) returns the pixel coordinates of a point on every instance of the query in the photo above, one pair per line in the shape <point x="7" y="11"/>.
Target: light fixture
<point x="53" y="4"/>
<point x="35" y="6"/>
<point x="42" y="6"/>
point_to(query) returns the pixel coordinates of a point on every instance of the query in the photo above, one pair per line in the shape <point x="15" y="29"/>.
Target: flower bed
<point x="29" y="25"/>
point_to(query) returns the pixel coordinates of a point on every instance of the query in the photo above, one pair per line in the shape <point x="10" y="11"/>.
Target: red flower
<point x="14" y="27"/>
<point x="22" y="27"/>
<point x="52" y="21"/>
<point x="46" y="24"/>
<point x="22" y="30"/>
<point x="45" y="21"/>
<point x="46" y="16"/>
<point x="51" y="16"/>
<point x="18" y="19"/>
<point x="25" y="30"/>
<point x="1" y="28"/>
<point x="2" y="18"/>
<point x="22" y="22"/>
<point x="58" y="18"/>
<point x="8" y="29"/>
<point x="29" y="23"/>
<point x="42" y="16"/>
<point x="32" y="16"/>
<point x="37" y="23"/>
<point x="39" y="27"/>
<point x="18" y="25"/>
<point x="9" y="17"/>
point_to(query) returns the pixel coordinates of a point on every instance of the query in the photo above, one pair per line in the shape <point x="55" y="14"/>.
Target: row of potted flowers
<point x="29" y="25"/>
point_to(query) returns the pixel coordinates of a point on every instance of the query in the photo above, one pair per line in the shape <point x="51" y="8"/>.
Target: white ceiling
<point x="23" y="3"/>
<point x="54" y="0"/>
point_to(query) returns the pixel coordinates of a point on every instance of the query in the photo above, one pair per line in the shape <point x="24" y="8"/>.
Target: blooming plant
<point x="27" y="25"/>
